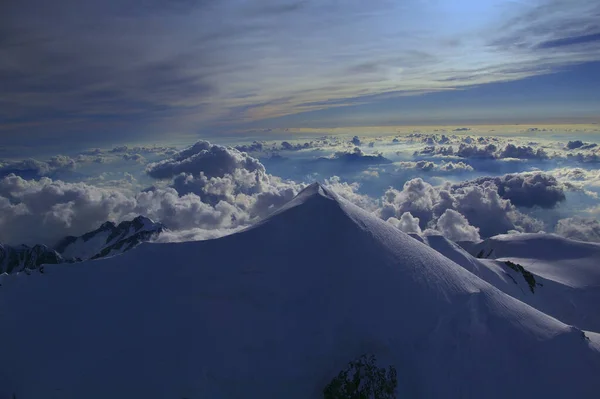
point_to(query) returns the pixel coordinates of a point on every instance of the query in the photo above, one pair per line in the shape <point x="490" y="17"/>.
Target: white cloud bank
<point x="207" y="190"/>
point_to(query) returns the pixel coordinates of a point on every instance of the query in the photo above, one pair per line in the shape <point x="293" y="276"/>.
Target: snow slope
<point x="573" y="263"/>
<point x="276" y="311"/>
<point x="568" y="271"/>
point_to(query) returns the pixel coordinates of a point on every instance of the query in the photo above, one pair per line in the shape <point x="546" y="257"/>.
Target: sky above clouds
<point x="141" y="70"/>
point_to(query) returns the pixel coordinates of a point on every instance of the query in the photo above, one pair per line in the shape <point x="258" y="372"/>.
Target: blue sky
<point x="140" y="70"/>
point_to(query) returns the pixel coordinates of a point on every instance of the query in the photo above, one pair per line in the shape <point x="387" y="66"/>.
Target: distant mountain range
<point x="107" y="240"/>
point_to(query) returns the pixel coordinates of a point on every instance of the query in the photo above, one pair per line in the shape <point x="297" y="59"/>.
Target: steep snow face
<point x="109" y="239"/>
<point x="573" y="305"/>
<point x="276" y="311"/>
<point x="23" y="257"/>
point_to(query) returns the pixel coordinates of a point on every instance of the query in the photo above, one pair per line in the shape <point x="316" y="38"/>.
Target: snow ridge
<point x="275" y="311"/>
<point x="109" y="239"/>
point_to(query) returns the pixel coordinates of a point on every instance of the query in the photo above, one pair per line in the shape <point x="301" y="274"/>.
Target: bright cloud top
<point x="207" y="190"/>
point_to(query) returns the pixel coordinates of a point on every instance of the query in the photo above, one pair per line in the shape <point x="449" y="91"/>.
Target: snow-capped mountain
<point x="109" y="239"/>
<point x="22" y="257"/>
<point x="276" y="311"/>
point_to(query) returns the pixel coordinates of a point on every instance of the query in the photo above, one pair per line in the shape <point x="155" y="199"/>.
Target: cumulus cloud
<point x="429" y="166"/>
<point x="483" y="149"/>
<point x="287" y="146"/>
<point x="355" y="140"/>
<point x="525" y="189"/>
<point x="521" y="152"/>
<point x="134" y="157"/>
<point x="208" y="190"/>
<point x="255" y="146"/>
<point x="59" y="165"/>
<point x="481" y="205"/>
<point x="578" y="144"/>
<point x="417" y="197"/>
<point x="211" y="160"/>
<point x="350" y="191"/>
<point x="258" y="147"/>
<point x="42" y="211"/>
<point x="592" y="156"/>
<point x="456" y="227"/>
<point x="571" y="145"/>
<point x="160" y="150"/>
<point x="577" y="176"/>
<point x="455" y="167"/>
<point x="407" y="223"/>
<point x="578" y="228"/>
<point x="354" y="157"/>
<point x="474" y="151"/>
<point x="222" y="174"/>
<point x="213" y="187"/>
<point x="34" y="168"/>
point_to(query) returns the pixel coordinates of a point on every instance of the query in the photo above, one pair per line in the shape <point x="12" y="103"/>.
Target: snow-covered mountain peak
<point x="315" y="191"/>
<point x="317" y="188"/>
<point x="278" y="310"/>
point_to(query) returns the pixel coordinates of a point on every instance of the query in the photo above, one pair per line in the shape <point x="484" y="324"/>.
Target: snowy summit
<point x="276" y="311"/>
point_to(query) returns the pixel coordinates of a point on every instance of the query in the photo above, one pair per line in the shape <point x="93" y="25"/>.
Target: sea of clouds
<point x="462" y="184"/>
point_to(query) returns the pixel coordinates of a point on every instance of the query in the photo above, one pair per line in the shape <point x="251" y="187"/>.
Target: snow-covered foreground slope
<point x="276" y="311"/>
<point x="567" y="273"/>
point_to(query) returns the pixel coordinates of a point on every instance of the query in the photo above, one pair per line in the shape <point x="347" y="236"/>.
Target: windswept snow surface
<point x="567" y="271"/>
<point x="570" y="262"/>
<point x="276" y="311"/>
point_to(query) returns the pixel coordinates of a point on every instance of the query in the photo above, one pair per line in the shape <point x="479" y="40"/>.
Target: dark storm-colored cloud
<point x="578" y="144"/>
<point x="524" y="189"/>
<point x="522" y="152"/>
<point x="571" y="145"/>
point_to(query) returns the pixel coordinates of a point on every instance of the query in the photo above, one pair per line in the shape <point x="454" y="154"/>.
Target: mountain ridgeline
<point x="107" y="240"/>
